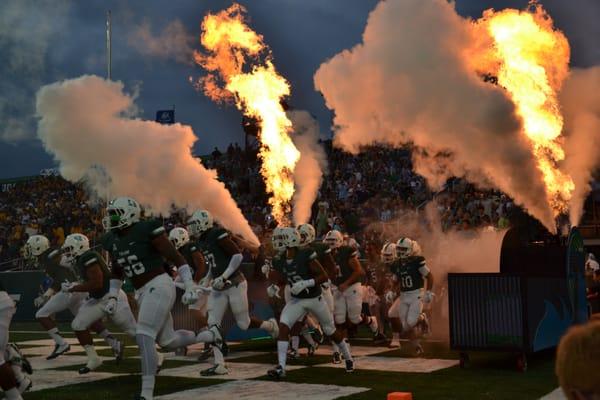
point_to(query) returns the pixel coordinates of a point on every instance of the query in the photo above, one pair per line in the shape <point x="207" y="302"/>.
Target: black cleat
<point x="205" y="355"/>
<point x="58" y="350"/>
<point x="312" y="349"/>
<point x="138" y="397"/>
<point x="379" y="338"/>
<point x="293" y="355"/>
<point x="276" y="373"/>
<point x="419" y="350"/>
<point x="337" y="358"/>
<point x="218" y="369"/>
<point x="349" y="366"/>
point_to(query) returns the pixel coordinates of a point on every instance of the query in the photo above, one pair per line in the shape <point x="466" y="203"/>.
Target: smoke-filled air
<point x="476" y="98"/>
<point x="88" y="123"/>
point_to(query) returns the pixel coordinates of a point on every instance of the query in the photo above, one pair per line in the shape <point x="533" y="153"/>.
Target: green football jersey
<point x="408" y="273"/>
<point x="50" y="262"/>
<point x="187" y="251"/>
<point x="88" y="259"/>
<point x="298" y="269"/>
<point x="217" y="260"/>
<point x="342" y="257"/>
<point x="133" y="250"/>
<point x="320" y="248"/>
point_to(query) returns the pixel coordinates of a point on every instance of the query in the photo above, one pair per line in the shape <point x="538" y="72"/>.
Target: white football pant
<point x="93" y="310"/>
<point x="348" y="304"/>
<point x="408" y="308"/>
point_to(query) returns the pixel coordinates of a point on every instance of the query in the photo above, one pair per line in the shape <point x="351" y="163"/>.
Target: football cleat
<point x="313" y="349"/>
<point x="337" y="358"/>
<point x="424" y="326"/>
<point x="349" y="365"/>
<point x="205" y="355"/>
<point x="419" y="350"/>
<point x="379" y="338"/>
<point x="138" y="397"/>
<point x="218" y="369"/>
<point x="90" y="366"/>
<point x="293" y="354"/>
<point x="16" y="357"/>
<point x="276" y="373"/>
<point x="58" y="350"/>
<point x="24" y="385"/>
<point x="317" y="336"/>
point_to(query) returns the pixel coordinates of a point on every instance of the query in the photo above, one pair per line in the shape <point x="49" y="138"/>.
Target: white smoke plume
<point x="27" y="27"/>
<point x="86" y="124"/>
<point x="410" y="81"/>
<point x="580" y="100"/>
<point x="308" y="173"/>
<point x="173" y="42"/>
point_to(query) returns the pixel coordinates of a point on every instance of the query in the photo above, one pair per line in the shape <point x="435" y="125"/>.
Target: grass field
<point x="488" y="376"/>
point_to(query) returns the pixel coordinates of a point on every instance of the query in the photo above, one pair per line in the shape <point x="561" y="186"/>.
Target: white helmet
<point x="307" y="234"/>
<point x="407" y="247"/>
<point x="334" y="239"/>
<point x="292" y="237"/>
<point x="179" y="237"/>
<point x="36" y="245"/>
<point x="74" y="246"/>
<point x="278" y="239"/>
<point x="121" y="212"/>
<point x="200" y="222"/>
<point x="389" y="253"/>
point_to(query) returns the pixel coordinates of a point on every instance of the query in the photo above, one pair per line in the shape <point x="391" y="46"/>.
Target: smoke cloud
<point x="580" y="100"/>
<point x="27" y="27"/>
<point x="87" y="124"/>
<point x="173" y="42"/>
<point x="308" y="173"/>
<point x="411" y="81"/>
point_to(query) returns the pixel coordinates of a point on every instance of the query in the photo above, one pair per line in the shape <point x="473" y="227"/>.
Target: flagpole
<point x="108" y="45"/>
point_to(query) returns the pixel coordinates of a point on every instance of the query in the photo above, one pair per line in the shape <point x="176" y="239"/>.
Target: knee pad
<point x="77" y="325"/>
<point x="340" y="319"/>
<point x="328" y="329"/>
<point x="355" y="319"/>
<point x="41" y="314"/>
<point x="243" y="322"/>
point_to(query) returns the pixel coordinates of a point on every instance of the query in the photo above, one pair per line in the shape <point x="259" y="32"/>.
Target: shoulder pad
<point x="90" y="257"/>
<point x="154" y="227"/>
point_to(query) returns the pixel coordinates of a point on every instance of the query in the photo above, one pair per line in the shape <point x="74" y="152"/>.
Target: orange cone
<point x="399" y="396"/>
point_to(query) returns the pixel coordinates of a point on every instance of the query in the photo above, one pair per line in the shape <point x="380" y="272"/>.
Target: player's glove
<point x="219" y="283"/>
<point x="428" y="297"/>
<point x="40" y="300"/>
<point x="300" y="286"/>
<point x="66" y="286"/>
<point x="389" y="296"/>
<point x="204" y="282"/>
<point x="326" y="285"/>
<point x="273" y="291"/>
<point x="266" y="268"/>
<point x="191" y="293"/>
<point x="111" y="306"/>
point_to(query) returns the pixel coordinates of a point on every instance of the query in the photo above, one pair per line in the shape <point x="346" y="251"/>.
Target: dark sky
<point x="49" y="40"/>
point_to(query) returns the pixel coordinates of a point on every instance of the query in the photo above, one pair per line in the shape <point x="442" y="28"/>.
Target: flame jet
<point x="257" y="90"/>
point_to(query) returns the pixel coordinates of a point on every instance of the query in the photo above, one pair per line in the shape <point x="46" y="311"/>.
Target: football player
<point x="348" y="288"/>
<point x="416" y="285"/>
<point x="138" y="249"/>
<point x="96" y="281"/>
<point x="12" y="381"/>
<point x="300" y="268"/>
<point x="54" y="300"/>
<point x="389" y="254"/>
<point x="229" y="287"/>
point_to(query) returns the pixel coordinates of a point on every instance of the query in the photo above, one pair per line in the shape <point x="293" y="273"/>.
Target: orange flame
<point x="531" y="60"/>
<point x="230" y="44"/>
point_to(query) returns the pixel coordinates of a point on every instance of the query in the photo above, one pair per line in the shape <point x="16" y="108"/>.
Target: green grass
<point x="119" y="387"/>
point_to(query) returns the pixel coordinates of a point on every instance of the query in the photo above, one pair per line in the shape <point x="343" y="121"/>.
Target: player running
<point x="138" y="249"/>
<point x="229" y="287"/>
<point x="102" y="301"/>
<point x="300" y="268"/>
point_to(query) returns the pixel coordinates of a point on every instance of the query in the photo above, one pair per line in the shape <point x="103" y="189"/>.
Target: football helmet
<point x="307" y="234"/>
<point x="278" y="239"/>
<point x="36" y="245"/>
<point x="389" y="253"/>
<point x="200" y="222"/>
<point x="74" y="246"/>
<point x="407" y="247"/>
<point x="334" y="239"/>
<point x="121" y="213"/>
<point x="179" y="237"/>
<point x="292" y="237"/>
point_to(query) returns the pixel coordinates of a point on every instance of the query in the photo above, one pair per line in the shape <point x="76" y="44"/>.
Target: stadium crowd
<point x="370" y="189"/>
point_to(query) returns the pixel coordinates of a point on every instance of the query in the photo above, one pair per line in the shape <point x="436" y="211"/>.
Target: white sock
<point x="90" y="351"/>
<point x="18" y="372"/>
<point x="148" y="386"/>
<point x="336" y="348"/>
<point x="308" y="337"/>
<point x="345" y="348"/>
<point x="295" y="342"/>
<point x="108" y="338"/>
<point x="282" y="347"/>
<point x="13" y="394"/>
<point x="396" y="337"/>
<point x="373" y="324"/>
<point x="55" y="335"/>
<point x="219" y="359"/>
